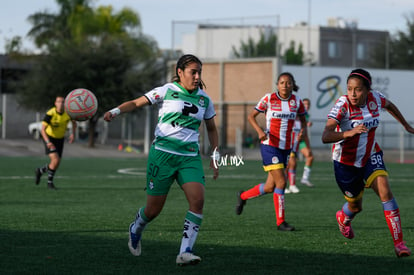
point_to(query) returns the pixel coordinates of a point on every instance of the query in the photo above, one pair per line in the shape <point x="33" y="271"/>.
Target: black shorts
<point x="352" y="180"/>
<point x="274" y="158"/>
<point x="58" y="142"/>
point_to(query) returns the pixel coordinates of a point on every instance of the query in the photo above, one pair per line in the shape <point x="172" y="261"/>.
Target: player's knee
<point x="268" y="188"/>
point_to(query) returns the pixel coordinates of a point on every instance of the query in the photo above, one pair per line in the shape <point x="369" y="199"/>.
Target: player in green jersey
<point x="174" y="154"/>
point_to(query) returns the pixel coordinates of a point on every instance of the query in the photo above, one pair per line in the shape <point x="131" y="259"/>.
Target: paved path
<point x="31" y="147"/>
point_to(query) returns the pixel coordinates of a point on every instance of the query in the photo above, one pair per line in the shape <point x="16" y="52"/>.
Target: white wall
<point x="217" y="43"/>
<point x="323" y="85"/>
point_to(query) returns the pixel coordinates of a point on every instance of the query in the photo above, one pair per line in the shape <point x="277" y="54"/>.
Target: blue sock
<point x="348" y="212"/>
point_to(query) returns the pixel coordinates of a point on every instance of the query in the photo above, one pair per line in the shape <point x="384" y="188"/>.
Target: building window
<point x="333" y="49"/>
<point x="361" y="51"/>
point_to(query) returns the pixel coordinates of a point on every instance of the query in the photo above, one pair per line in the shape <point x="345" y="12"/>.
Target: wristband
<point x="47" y="141"/>
<point x="115" y="111"/>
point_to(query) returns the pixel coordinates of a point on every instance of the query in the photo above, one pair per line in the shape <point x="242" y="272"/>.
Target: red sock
<point x="394" y="224"/>
<point x="279" y="202"/>
<point x="251" y="193"/>
<point x="292" y="177"/>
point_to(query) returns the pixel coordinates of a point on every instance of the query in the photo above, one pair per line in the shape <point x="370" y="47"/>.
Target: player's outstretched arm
<point x="395" y="112"/>
<point x="126" y="107"/>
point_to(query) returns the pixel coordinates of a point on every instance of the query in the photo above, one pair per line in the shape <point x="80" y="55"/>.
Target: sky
<point x="160" y="17"/>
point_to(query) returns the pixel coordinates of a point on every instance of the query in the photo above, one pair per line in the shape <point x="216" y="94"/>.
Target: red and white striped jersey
<point x="280" y="118"/>
<point x="356" y="150"/>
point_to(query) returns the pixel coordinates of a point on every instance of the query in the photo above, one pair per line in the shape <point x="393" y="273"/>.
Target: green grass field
<point x="82" y="227"/>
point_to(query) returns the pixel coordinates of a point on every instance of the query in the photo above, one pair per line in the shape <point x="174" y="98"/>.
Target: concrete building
<point x="339" y="44"/>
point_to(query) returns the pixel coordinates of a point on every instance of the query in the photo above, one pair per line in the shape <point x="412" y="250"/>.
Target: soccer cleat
<point x="134" y="242"/>
<point x="284" y="226"/>
<point x="240" y="203"/>
<point x="306" y="182"/>
<point x="50" y="185"/>
<point x="293" y="189"/>
<point x="187" y="258"/>
<point x="38" y="175"/>
<point x="401" y="250"/>
<point x="346" y="230"/>
<point x="287" y="191"/>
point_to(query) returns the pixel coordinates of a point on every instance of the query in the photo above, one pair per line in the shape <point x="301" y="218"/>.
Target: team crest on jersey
<point x="201" y="102"/>
<point x="275" y="159"/>
<point x="372" y="106"/>
<point x="293" y="106"/>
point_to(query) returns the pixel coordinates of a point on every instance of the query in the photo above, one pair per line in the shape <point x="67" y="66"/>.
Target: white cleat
<point x="306" y="182"/>
<point x="293" y="189"/>
<point x="134" y="242"/>
<point x="187" y="258"/>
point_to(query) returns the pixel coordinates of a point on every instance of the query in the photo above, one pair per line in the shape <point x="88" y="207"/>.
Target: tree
<point x="400" y="50"/>
<point x="13" y="45"/>
<point x="265" y="47"/>
<point x="49" y="29"/>
<point x="101" y="51"/>
<point x="292" y="57"/>
<point x="402" y="47"/>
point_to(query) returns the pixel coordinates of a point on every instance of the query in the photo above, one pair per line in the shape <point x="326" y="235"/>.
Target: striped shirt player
<point x="300" y="143"/>
<point x="357" y="159"/>
<point x="281" y="110"/>
<point x="179" y="118"/>
<point x="280" y="118"/>
<point x="356" y="150"/>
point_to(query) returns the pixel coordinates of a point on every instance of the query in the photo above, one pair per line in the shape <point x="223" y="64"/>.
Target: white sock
<point x="306" y="172"/>
<point x="140" y="223"/>
<point x="192" y="224"/>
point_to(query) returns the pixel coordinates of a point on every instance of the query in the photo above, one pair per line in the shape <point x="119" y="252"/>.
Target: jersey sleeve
<point x="48" y="117"/>
<point x="156" y="95"/>
<point x="339" y="110"/>
<point x="382" y="99"/>
<point x="263" y="103"/>
<point x="210" y="112"/>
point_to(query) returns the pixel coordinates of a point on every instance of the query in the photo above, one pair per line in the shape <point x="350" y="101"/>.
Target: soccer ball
<point x="81" y="104"/>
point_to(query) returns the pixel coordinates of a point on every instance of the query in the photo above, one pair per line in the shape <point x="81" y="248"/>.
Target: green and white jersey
<point x="180" y="114"/>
